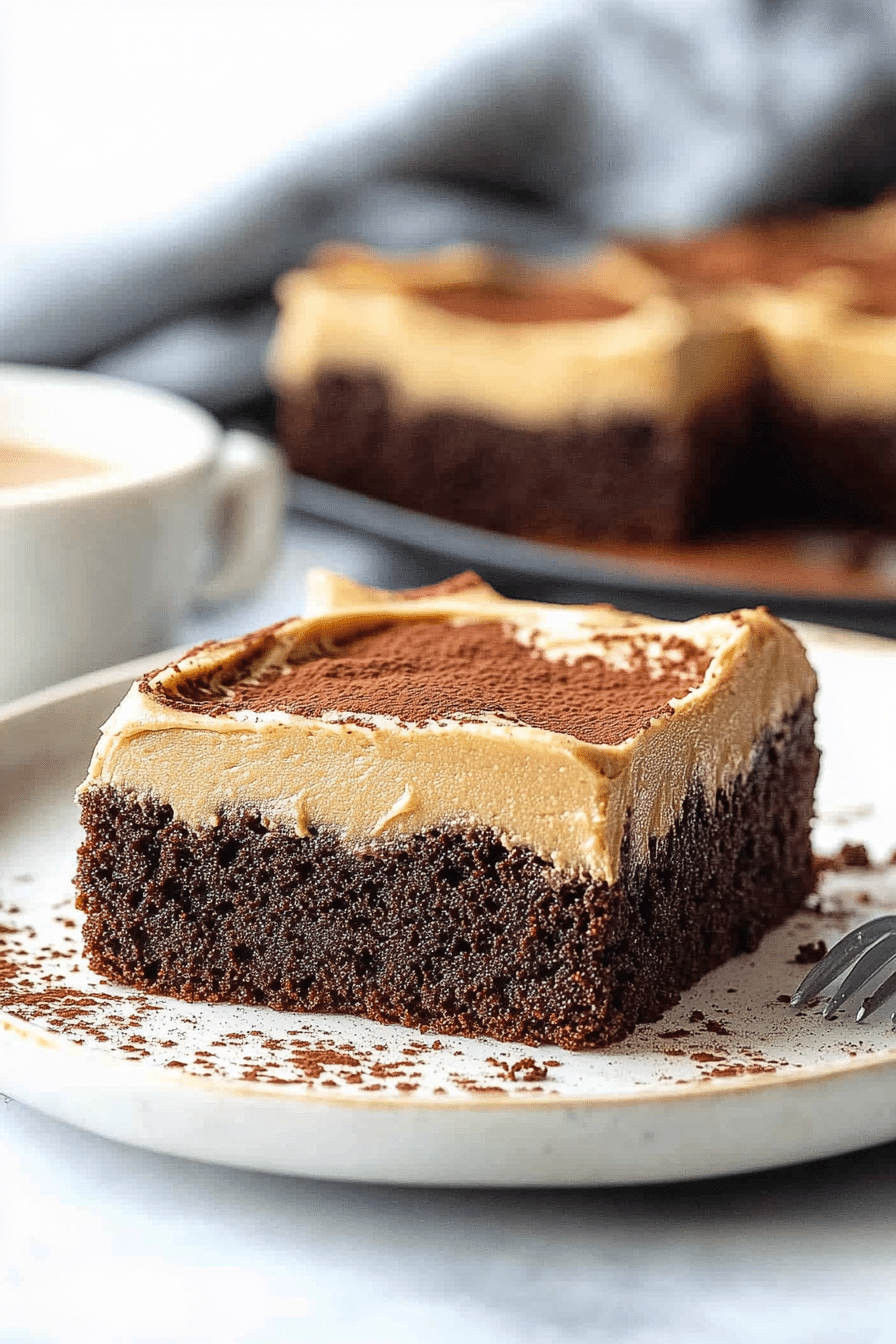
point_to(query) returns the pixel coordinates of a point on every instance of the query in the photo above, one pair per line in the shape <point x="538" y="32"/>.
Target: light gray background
<point x="162" y="163"/>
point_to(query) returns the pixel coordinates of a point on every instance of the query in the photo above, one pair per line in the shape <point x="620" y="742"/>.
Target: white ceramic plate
<point x="728" y="1081"/>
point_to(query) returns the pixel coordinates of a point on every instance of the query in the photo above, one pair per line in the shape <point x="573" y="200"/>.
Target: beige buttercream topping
<point x="365" y="315"/>
<point x="826" y="355"/>
<point x="815" y="330"/>
<point x="376" y="778"/>
<point x="815" y="324"/>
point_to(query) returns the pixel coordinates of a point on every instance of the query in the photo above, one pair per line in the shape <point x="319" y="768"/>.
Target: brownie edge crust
<point x="449" y="931"/>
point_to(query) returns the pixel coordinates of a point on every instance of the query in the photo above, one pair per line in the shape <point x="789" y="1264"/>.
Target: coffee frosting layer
<point x="375" y="775"/>
<point x="819" y="294"/>
<point x="677" y="325"/>
<point x="822" y="352"/>
<point x="597" y="342"/>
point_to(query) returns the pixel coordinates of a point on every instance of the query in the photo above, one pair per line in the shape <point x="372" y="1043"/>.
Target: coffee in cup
<point x="23" y="464"/>
<point x="119" y="505"/>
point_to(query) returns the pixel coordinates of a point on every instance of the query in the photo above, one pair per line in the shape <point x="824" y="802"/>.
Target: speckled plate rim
<point x="297" y="1092"/>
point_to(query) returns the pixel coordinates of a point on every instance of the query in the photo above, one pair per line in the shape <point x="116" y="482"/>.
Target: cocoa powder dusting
<point x="458" y="583"/>
<point x="430" y="671"/>
<point x="529" y="303"/>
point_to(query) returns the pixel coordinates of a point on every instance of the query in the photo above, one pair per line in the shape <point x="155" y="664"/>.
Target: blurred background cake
<point x="656" y="393"/>
<point x="565" y="403"/>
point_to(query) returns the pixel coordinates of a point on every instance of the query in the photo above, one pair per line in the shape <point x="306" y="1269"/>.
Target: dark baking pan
<point x="841" y="579"/>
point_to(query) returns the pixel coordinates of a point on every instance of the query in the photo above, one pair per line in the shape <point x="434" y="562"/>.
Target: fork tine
<point x="877" y="1000"/>
<point x="839" y="957"/>
<point x="872" y="960"/>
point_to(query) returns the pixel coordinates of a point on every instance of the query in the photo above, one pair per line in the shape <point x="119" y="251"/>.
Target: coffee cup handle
<point x="248" y="500"/>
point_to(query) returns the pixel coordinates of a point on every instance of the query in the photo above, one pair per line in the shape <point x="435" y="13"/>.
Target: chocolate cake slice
<point x="454" y="811"/>
<point x="566" y="404"/>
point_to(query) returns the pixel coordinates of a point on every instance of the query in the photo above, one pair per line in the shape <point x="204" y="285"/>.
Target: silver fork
<point x="874" y="944"/>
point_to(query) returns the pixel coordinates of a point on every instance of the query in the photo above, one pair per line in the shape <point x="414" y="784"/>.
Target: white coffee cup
<point x="98" y="567"/>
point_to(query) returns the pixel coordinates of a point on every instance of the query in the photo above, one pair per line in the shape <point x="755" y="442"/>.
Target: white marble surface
<point x="107" y="1244"/>
<point x="102" y="1244"/>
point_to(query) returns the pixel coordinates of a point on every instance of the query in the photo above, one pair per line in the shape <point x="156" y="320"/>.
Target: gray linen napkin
<point x="617" y="115"/>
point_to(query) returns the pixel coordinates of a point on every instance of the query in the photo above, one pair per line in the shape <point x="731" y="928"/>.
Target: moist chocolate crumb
<point x="808" y="953"/>
<point x="855" y="856"/>
<point x="849" y="855"/>
<point x="525" y="1070"/>
<point x="572" y="480"/>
